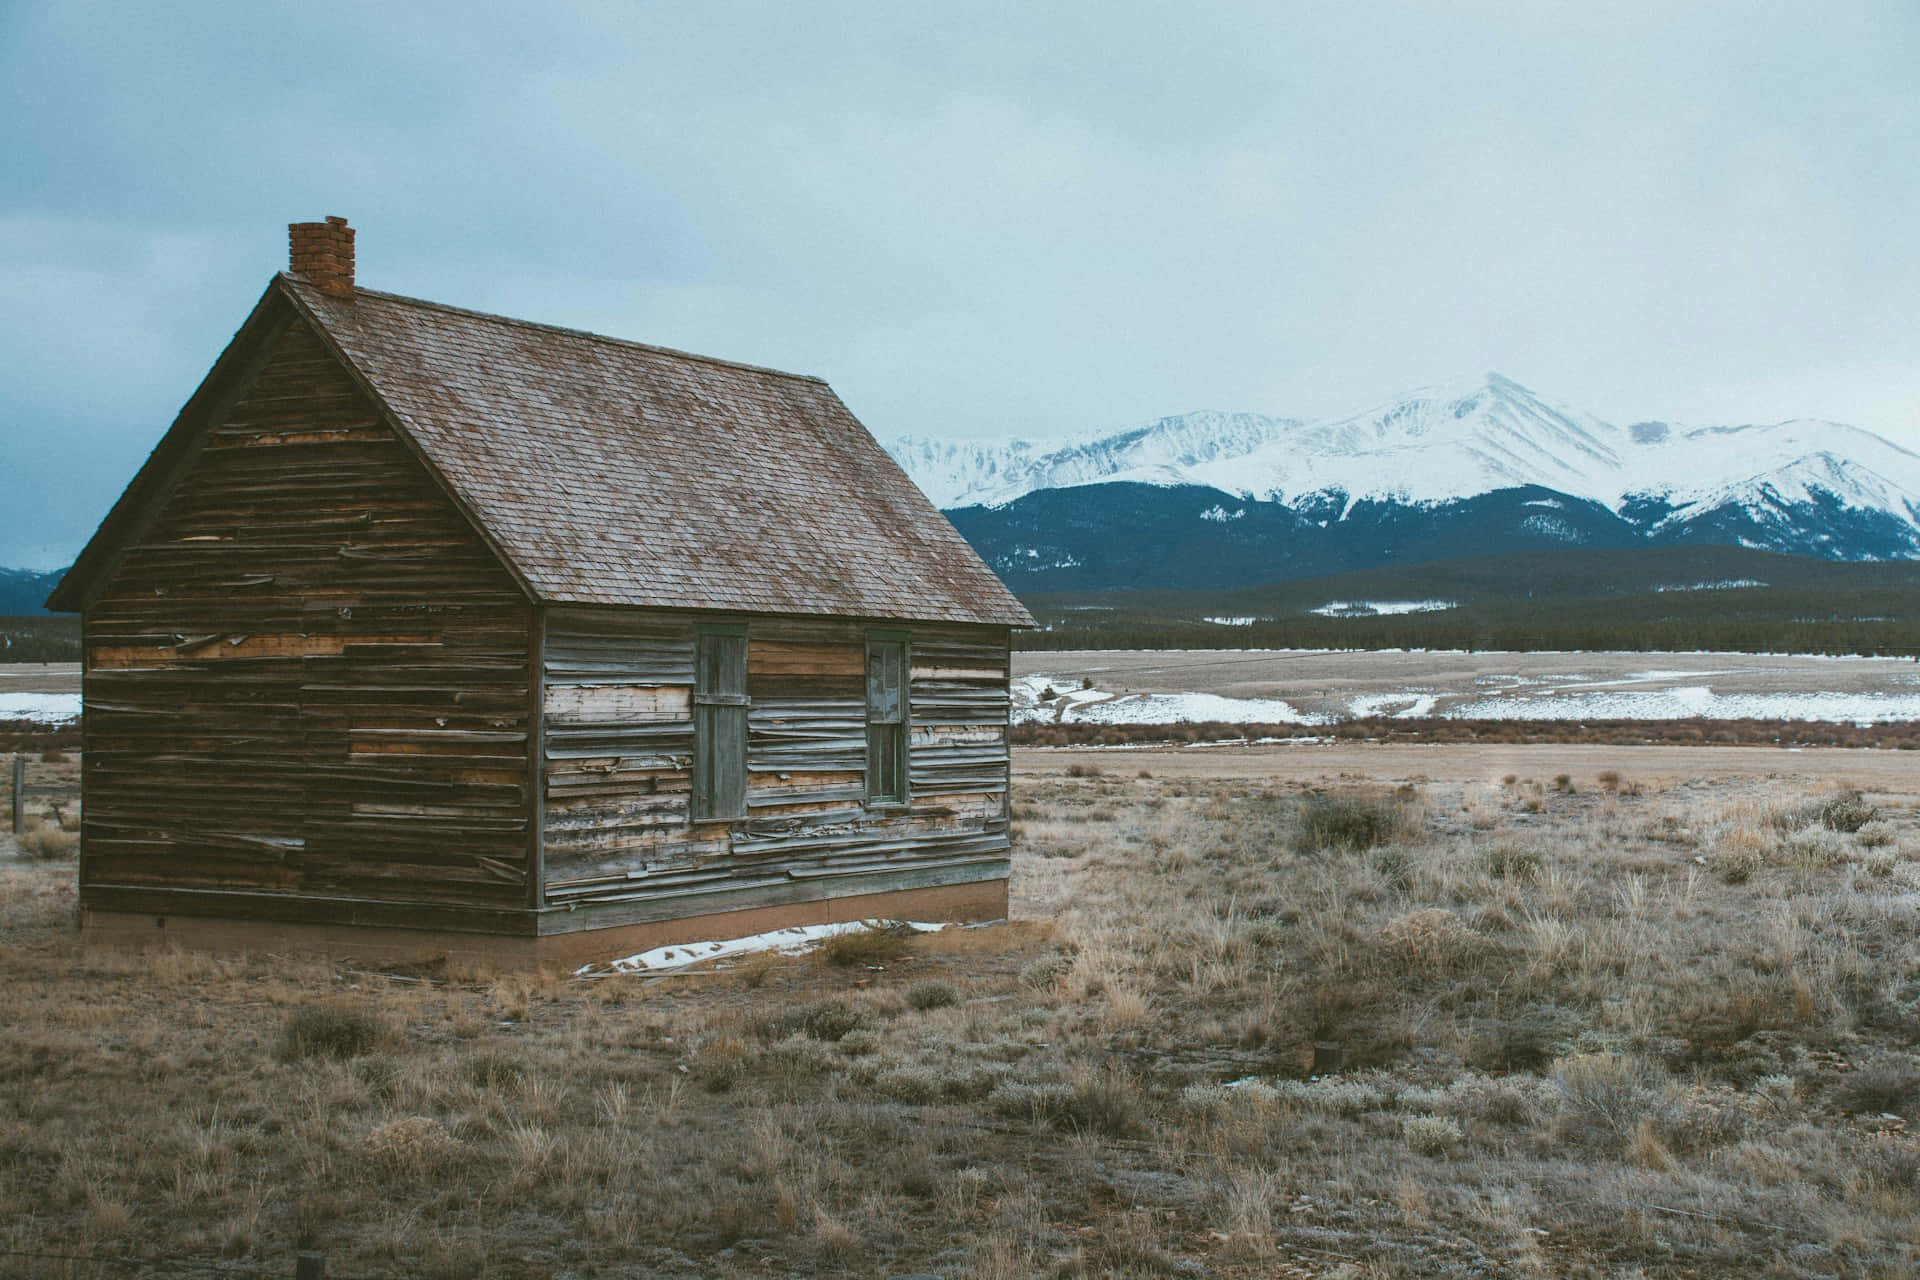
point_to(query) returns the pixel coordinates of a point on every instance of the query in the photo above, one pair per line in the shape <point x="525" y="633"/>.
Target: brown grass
<point x="1574" y="1044"/>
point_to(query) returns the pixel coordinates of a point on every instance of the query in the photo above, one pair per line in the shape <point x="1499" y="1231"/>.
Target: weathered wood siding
<point x="619" y="744"/>
<point x="310" y="676"/>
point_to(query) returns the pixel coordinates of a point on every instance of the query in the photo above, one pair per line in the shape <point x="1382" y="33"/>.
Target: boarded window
<point x="720" y="723"/>
<point x="886" y="718"/>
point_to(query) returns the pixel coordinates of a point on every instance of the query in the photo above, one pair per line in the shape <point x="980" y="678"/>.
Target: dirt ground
<point x="1323" y="682"/>
<point x="1315" y="763"/>
<point x="39" y="677"/>
<point x="1652" y="1024"/>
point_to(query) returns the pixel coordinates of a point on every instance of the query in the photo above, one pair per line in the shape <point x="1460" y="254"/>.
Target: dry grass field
<point x="1622" y="1022"/>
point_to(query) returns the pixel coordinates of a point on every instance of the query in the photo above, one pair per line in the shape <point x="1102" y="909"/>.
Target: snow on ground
<point x="1173" y="708"/>
<point x="1099" y="706"/>
<point x="1726" y="584"/>
<point x="1380" y="608"/>
<point x="1409" y="705"/>
<point x="1718" y="691"/>
<point x="1232" y="621"/>
<point x="41" y="708"/>
<point x="786" y="941"/>
<point x="1693" y="701"/>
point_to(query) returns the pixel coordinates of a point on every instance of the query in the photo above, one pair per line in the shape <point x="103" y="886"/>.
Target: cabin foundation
<point x="127" y="931"/>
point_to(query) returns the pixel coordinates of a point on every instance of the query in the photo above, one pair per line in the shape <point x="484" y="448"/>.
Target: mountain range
<point x="22" y="591"/>
<point x="1480" y="467"/>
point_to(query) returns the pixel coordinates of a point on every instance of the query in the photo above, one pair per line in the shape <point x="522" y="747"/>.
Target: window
<point x="886" y="718"/>
<point x="720" y="723"/>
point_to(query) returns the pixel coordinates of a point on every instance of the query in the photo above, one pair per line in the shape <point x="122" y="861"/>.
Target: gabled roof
<point x="608" y="472"/>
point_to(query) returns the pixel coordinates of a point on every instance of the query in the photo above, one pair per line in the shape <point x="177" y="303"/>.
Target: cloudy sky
<point x="980" y="220"/>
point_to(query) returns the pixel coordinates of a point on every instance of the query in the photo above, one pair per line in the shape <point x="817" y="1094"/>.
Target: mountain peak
<point x="1457" y="441"/>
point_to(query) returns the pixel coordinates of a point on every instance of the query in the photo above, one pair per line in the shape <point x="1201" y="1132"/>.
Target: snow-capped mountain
<point x="971" y="473"/>
<point x="23" y="590"/>
<point x="1431" y="460"/>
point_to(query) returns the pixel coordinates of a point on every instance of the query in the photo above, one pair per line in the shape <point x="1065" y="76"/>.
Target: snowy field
<point x="41" y="708"/>
<point x="42" y="692"/>
<point x="1318" y="687"/>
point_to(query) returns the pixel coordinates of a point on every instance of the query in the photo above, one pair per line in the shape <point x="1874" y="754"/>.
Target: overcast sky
<point x="977" y="220"/>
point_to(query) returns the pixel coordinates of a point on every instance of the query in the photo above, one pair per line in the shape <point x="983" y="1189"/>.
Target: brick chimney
<point x="322" y="252"/>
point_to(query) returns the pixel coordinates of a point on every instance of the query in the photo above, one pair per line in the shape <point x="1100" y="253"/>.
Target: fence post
<point x="309" y="1266"/>
<point x="19" y="793"/>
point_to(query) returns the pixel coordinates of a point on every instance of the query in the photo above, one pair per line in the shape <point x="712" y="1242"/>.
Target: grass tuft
<point x="871" y="944"/>
<point x="1847" y="812"/>
<point x="49" y="842"/>
<point x="1351" y="821"/>
<point x="329" y="1030"/>
<point x="931" y="993"/>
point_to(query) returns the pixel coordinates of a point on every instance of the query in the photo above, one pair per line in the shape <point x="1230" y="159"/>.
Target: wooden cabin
<point x="428" y="631"/>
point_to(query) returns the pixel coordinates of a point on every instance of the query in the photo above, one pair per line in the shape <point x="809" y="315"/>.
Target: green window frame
<point x="720" y="722"/>
<point x="888" y="717"/>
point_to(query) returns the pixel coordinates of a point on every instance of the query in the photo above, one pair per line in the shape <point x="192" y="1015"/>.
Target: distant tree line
<point x="43" y="637"/>
<point x="1874" y="621"/>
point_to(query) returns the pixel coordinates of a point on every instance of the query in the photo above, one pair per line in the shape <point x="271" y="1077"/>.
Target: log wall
<point x="618" y="755"/>
<point x="309" y="676"/>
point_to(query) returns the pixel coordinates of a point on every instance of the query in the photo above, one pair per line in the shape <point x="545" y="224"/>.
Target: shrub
<point x="1875" y="835"/>
<point x="1432" y="940"/>
<point x="798" y="1057"/>
<point x="1604" y="1097"/>
<point x="1046" y="971"/>
<point x="932" y="994"/>
<point x="1609" y="780"/>
<point x="1814" y="849"/>
<point x="1083" y="771"/>
<point x="410" y="1146"/>
<point x="1511" y="861"/>
<point x="1740" y="853"/>
<point x="328" y="1030"/>
<point x="1108" y="1103"/>
<point x="1888" y="1088"/>
<point x="53" y="755"/>
<point x="1431" y="1135"/>
<point x="720" y="1064"/>
<point x="48" y="842"/>
<point x="1350" y="821"/>
<point x="1849" y="811"/>
<point x="1332" y="1095"/>
<point x="869" y="944"/>
<point x="829" y="1020"/>
<point x="1038" y="1103"/>
<point x="491" y="1069"/>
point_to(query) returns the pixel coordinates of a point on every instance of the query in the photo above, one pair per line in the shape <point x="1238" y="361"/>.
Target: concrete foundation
<point x="981" y="900"/>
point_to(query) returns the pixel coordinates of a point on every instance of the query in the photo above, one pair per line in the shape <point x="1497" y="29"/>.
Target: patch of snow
<point x="785" y="941"/>
<point x="1231" y="621"/>
<point x="1182" y="708"/>
<point x="1695" y="701"/>
<point x="1013" y="559"/>
<point x="1220" y="515"/>
<point x="41" y="708"/>
<point x="1410" y="705"/>
<point x="1727" y="584"/>
<point x="1380" y="608"/>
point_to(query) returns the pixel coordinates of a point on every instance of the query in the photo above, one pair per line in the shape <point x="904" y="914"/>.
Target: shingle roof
<point x="608" y="472"/>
